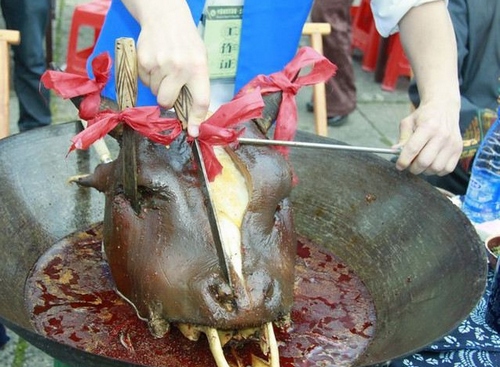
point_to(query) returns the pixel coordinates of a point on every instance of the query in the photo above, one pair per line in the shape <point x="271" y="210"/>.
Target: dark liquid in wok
<point x="71" y="297"/>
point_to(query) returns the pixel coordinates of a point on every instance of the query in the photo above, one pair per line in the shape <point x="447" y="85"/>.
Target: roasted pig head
<point x="162" y="255"/>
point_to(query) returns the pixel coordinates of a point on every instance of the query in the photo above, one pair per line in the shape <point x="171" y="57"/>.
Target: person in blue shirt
<point x="171" y="54"/>
<point x="171" y="51"/>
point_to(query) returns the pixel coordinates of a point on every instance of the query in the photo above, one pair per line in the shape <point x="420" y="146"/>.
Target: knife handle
<point x="182" y="105"/>
<point x="126" y="73"/>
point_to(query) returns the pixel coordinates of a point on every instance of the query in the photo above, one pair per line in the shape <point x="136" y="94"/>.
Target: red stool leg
<point x="365" y="36"/>
<point x="397" y="64"/>
<point x="361" y="24"/>
<point x="371" y="55"/>
<point x="354" y="10"/>
<point x="71" y="57"/>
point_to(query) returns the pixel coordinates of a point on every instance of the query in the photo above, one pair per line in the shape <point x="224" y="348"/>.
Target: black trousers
<point x="3" y="336"/>
<point x="30" y="18"/>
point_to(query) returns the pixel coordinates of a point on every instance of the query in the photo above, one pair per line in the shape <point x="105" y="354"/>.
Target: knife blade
<point x="211" y="211"/>
<point x="126" y="93"/>
<point x="181" y="107"/>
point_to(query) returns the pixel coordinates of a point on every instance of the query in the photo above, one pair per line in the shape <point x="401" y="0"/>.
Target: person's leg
<point x="341" y="88"/>
<point x="3" y="336"/>
<point x="30" y="18"/>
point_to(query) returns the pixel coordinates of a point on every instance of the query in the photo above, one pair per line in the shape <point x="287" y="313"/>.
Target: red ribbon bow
<point x="220" y="129"/>
<point x="69" y="85"/>
<point x="145" y="120"/>
<point x="289" y="82"/>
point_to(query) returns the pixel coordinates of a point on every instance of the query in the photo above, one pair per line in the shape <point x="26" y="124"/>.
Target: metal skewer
<point x="300" y="144"/>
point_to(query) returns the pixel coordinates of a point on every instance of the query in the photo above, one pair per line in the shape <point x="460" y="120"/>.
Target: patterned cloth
<point x="474" y="134"/>
<point x="473" y="343"/>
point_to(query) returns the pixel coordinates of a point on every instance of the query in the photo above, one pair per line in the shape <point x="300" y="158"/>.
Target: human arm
<point x="171" y="54"/>
<point x="476" y="45"/>
<point x="430" y="136"/>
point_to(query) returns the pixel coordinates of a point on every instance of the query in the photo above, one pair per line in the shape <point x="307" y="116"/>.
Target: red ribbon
<point x="69" y="85"/>
<point x="220" y="129"/>
<point x="289" y="83"/>
<point x="145" y="120"/>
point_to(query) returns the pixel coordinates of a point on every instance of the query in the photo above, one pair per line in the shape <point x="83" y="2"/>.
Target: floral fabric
<point x="473" y="343"/>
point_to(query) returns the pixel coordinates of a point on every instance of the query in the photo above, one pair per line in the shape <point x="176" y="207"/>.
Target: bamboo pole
<point x="6" y="37"/>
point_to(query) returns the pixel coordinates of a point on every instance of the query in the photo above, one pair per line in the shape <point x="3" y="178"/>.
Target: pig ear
<point x="272" y="103"/>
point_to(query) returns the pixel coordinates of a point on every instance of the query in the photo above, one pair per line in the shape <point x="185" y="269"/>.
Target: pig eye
<point x="277" y="213"/>
<point x="269" y="291"/>
<point x="160" y="193"/>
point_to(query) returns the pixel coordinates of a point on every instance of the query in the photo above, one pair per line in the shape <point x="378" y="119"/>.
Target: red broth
<point x="71" y="297"/>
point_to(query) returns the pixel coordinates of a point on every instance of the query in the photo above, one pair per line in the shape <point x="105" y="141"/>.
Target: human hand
<point x="171" y="54"/>
<point x="430" y="136"/>
<point x="430" y="139"/>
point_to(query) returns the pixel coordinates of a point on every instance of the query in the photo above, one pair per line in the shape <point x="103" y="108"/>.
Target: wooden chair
<point x="316" y="31"/>
<point x="6" y="37"/>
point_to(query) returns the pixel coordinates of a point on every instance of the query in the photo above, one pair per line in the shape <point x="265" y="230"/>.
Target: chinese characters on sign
<point x="222" y="39"/>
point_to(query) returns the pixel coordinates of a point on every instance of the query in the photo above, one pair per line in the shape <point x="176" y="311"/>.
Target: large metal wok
<point x="418" y="255"/>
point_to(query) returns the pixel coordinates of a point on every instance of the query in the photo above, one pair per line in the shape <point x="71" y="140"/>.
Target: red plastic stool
<point x="354" y="10"/>
<point x="397" y="64"/>
<point x="365" y="36"/>
<point x="372" y="53"/>
<point x="361" y="25"/>
<point x="90" y="15"/>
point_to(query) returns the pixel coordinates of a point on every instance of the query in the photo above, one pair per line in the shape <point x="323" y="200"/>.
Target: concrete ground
<point x="374" y="123"/>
